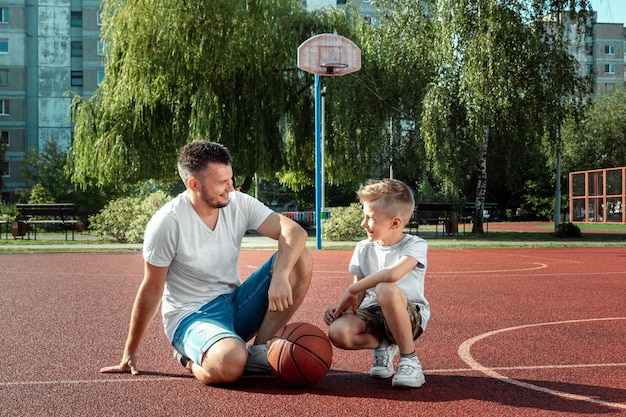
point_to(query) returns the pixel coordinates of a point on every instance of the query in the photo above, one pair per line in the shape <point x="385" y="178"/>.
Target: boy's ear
<point x="396" y="222"/>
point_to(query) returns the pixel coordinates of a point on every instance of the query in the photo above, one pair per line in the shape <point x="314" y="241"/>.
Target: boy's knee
<point x="337" y="336"/>
<point x="387" y="292"/>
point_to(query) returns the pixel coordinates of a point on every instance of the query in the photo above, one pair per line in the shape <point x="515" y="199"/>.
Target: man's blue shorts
<point x="238" y="314"/>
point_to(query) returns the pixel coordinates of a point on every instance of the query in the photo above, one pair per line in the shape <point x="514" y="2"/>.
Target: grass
<point x="524" y="235"/>
<point x="498" y="235"/>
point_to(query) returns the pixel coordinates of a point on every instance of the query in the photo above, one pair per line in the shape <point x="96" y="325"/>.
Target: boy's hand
<point x="329" y="315"/>
<point x="348" y="302"/>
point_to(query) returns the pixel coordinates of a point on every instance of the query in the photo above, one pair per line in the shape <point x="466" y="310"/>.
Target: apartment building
<point x="608" y="55"/>
<point x="47" y="49"/>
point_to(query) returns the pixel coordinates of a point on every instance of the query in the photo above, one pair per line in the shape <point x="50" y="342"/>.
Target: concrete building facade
<point x="48" y="49"/>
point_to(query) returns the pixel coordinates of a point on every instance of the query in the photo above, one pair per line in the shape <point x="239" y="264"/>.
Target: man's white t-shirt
<point x="202" y="262"/>
<point x="369" y="257"/>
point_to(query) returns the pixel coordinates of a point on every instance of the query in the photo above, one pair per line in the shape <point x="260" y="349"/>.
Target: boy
<point x="385" y="309"/>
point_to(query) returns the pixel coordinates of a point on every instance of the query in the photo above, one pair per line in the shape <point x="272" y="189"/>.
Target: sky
<point x="610" y="11"/>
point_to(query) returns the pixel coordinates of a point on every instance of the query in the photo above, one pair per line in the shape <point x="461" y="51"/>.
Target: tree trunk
<point x="247" y="183"/>
<point x="481" y="187"/>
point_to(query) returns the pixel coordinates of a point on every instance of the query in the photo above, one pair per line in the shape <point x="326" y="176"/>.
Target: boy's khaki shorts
<point x="376" y="324"/>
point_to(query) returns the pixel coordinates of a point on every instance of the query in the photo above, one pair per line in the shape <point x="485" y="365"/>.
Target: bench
<point x="437" y="214"/>
<point x="61" y="215"/>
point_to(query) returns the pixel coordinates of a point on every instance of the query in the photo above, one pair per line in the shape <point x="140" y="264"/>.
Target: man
<point x="191" y="248"/>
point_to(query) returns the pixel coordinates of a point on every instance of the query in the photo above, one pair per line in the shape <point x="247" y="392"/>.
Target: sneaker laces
<point x="380" y="360"/>
<point x="405" y="369"/>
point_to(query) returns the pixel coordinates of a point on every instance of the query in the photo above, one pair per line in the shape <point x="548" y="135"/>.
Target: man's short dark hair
<point x="195" y="156"/>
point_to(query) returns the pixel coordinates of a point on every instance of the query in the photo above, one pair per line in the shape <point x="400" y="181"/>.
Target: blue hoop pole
<point x="318" y="162"/>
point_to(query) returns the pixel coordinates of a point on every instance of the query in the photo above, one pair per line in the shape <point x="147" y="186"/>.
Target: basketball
<point x="300" y="354"/>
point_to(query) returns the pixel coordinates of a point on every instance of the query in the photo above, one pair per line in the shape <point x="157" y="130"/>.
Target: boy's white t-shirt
<point x="369" y="257"/>
<point x="202" y="262"/>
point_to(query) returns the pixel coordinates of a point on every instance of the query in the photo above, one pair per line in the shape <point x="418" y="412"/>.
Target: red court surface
<point x="514" y="332"/>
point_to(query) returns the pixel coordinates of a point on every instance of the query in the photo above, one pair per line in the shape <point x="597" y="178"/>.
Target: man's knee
<point x="305" y="263"/>
<point x="224" y="362"/>
<point x="303" y="269"/>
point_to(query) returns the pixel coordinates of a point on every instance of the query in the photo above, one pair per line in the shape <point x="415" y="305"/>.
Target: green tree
<point x="47" y="169"/>
<point x="490" y="99"/>
<point x="599" y="140"/>
<point x="223" y="70"/>
<point x="39" y="195"/>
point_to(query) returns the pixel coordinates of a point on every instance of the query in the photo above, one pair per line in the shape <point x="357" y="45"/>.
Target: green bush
<point x="8" y="211"/>
<point x="344" y="223"/>
<point x="568" y="230"/>
<point x="125" y="219"/>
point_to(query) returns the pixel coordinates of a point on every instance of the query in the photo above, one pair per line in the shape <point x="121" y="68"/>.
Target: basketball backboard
<point x="329" y="54"/>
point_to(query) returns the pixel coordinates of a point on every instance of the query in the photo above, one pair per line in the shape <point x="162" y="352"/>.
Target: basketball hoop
<point x="334" y="67"/>
<point x="329" y="54"/>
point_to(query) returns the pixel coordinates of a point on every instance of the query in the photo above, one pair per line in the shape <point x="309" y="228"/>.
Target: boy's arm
<point x="354" y="294"/>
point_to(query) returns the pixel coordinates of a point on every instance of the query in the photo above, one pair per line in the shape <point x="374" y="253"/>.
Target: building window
<point x="77" y="78"/>
<point x="77" y="49"/>
<point x="4" y="46"/>
<point x="100" y="77"/>
<point x="100" y="48"/>
<point x="609" y="49"/>
<point x="4" y="167"/>
<point x="4" y="107"/>
<point x="4" y="15"/>
<point x="4" y="77"/>
<point x="99" y="18"/>
<point x="77" y="19"/>
<point x="4" y="138"/>
<point x="609" y="69"/>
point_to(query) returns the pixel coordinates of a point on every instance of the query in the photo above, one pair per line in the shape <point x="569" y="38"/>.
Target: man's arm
<point x="291" y="244"/>
<point x="145" y="307"/>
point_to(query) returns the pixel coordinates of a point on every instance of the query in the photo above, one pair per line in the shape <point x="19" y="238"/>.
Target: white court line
<point x="530" y="367"/>
<point x="545" y="274"/>
<point x="90" y="381"/>
<point x="538" y="266"/>
<point x="464" y="353"/>
<point x="542" y="258"/>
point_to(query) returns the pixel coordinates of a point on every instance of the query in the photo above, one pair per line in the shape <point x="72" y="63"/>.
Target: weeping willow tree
<point x="494" y="90"/>
<point x="222" y="70"/>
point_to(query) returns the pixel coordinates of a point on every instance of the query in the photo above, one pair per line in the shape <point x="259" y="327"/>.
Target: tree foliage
<point x="495" y="92"/>
<point x="599" y="140"/>
<point x="47" y="169"/>
<point x="221" y="70"/>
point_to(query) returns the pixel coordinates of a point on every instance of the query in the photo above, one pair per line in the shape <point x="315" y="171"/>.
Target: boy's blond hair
<point x="389" y="195"/>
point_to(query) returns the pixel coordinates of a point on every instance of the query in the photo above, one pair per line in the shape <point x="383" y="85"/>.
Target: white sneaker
<point x="409" y="374"/>
<point x="257" y="360"/>
<point x="383" y="361"/>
